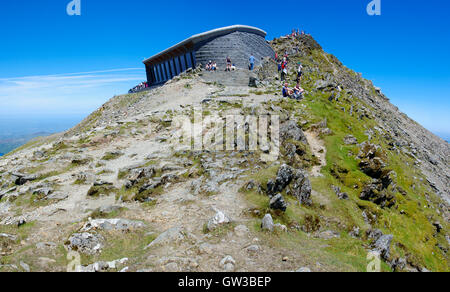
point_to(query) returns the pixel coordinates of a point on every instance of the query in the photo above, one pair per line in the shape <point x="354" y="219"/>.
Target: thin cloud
<point x="65" y="93"/>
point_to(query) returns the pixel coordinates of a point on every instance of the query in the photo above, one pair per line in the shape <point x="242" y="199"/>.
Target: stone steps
<point x="239" y="77"/>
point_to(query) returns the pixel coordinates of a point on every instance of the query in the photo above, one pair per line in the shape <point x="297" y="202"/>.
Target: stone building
<point x="238" y="42"/>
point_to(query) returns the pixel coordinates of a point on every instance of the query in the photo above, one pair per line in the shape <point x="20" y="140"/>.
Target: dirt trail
<point x="319" y="150"/>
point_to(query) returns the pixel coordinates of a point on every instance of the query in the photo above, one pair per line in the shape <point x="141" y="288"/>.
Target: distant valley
<point x="11" y="143"/>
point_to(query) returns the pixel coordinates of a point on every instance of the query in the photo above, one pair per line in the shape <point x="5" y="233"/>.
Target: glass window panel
<point x="183" y="63"/>
<point x="177" y="65"/>
<point x="189" y="61"/>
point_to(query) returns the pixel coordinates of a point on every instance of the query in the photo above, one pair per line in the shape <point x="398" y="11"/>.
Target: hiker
<point x="298" y="92"/>
<point x="252" y="62"/>
<point x="299" y="72"/>
<point x="279" y="66"/>
<point x="286" y="91"/>
<point x="229" y="65"/>
<point x="209" y="66"/>
<point x="214" y="66"/>
<point x="283" y="71"/>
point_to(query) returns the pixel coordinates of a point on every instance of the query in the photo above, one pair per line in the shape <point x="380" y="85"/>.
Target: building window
<point x="172" y="68"/>
<point x="176" y="60"/>
<point x="169" y="71"/>
<point x="188" y="59"/>
<point x="183" y="63"/>
<point x="160" y="73"/>
<point x="163" y="71"/>
<point x="194" y="61"/>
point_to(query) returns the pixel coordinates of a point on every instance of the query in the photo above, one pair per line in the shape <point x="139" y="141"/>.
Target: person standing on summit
<point x="229" y="64"/>
<point x="252" y="62"/>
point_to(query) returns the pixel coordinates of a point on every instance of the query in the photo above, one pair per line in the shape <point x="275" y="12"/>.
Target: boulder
<point x="340" y="195"/>
<point x="112" y="224"/>
<point x="438" y="226"/>
<point x="228" y="263"/>
<point x="383" y="245"/>
<point x="172" y="235"/>
<point x="283" y="179"/>
<point x="219" y="219"/>
<point x="375" y="193"/>
<point x="374" y="234"/>
<point x="85" y="242"/>
<point x="277" y="203"/>
<point x="267" y="223"/>
<point x="253" y="82"/>
<point x="22" y="179"/>
<point x="301" y="187"/>
<point x="289" y="130"/>
<point x="398" y="264"/>
<point x="350" y="140"/>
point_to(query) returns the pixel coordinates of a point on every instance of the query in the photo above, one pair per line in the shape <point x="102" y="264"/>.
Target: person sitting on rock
<point x="209" y="66"/>
<point x="287" y="92"/>
<point x="298" y="92"/>
<point x="214" y="66"/>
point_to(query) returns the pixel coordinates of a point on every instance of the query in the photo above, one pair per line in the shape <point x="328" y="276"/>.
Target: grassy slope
<point x="409" y="221"/>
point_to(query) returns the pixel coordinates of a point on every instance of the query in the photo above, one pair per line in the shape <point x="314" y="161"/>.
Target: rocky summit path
<point x="122" y="192"/>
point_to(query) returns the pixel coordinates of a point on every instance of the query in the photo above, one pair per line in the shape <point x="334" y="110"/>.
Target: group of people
<point x="140" y="87"/>
<point x="297" y="91"/>
<point x="295" y="33"/>
<point x="211" y="66"/>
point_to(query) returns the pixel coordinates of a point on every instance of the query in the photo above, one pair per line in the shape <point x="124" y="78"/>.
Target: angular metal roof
<point x="206" y="35"/>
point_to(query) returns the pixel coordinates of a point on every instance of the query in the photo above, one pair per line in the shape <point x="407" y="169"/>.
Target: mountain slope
<point x="354" y="175"/>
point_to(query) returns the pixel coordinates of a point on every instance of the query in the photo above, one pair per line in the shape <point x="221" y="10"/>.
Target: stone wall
<point x="239" y="46"/>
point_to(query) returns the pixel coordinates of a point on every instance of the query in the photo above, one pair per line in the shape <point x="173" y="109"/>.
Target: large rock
<point x="228" y="263"/>
<point x="22" y="179"/>
<point x="301" y="187"/>
<point x="267" y="223"/>
<point x="375" y="193"/>
<point x="283" y="179"/>
<point x="291" y="131"/>
<point x="277" y="203"/>
<point x="350" y="140"/>
<point x="112" y="224"/>
<point x="85" y="242"/>
<point x="372" y="160"/>
<point x="383" y="245"/>
<point x="299" y="179"/>
<point x="138" y="174"/>
<point x="172" y="235"/>
<point x="219" y="219"/>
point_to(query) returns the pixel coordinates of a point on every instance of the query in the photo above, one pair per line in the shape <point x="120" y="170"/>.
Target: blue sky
<point x="54" y="65"/>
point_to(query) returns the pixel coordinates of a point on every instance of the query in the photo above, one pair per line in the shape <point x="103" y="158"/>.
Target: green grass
<point x="119" y="245"/>
<point x="409" y="219"/>
<point x="111" y="156"/>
